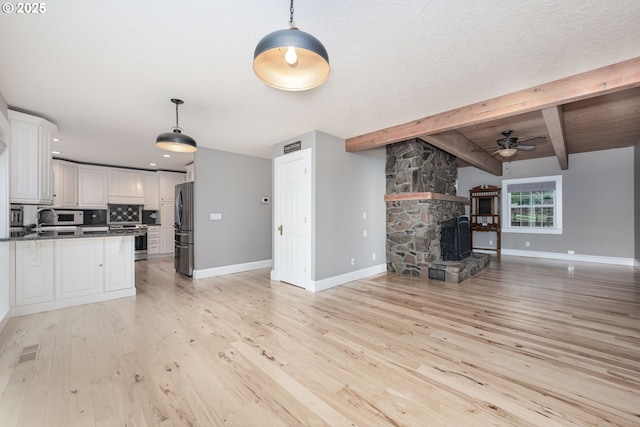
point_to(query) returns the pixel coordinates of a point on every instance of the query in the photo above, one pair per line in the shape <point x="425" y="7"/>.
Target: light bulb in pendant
<point x="291" y="57"/>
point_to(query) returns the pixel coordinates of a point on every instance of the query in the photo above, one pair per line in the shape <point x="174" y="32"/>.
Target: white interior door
<point x="292" y="235"/>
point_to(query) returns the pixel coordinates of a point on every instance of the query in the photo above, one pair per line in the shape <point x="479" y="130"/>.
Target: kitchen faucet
<point x="55" y="215"/>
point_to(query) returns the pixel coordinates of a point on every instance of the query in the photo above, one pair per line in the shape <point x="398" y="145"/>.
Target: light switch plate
<point x="215" y="216"/>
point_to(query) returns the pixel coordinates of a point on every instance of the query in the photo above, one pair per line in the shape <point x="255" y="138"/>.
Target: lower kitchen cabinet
<point x="79" y="267"/>
<point x="119" y="270"/>
<point x="167" y="230"/>
<point x="52" y="274"/>
<point x="34" y="272"/>
<point x="167" y="240"/>
<point x="153" y="240"/>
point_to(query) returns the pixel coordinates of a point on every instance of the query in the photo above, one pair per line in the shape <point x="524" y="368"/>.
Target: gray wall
<point x="348" y="185"/>
<point x="233" y="185"/>
<point x="598" y="203"/>
<point x="345" y="185"/>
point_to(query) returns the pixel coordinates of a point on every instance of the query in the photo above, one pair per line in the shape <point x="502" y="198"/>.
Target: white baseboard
<point x="570" y="257"/>
<point x="71" y="302"/>
<point x="229" y="269"/>
<point x="321" y="285"/>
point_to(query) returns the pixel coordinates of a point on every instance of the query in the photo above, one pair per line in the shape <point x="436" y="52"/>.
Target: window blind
<point x="531" y="186"/>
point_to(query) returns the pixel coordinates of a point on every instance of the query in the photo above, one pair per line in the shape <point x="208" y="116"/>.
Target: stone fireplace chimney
<point x="421" y="194"/>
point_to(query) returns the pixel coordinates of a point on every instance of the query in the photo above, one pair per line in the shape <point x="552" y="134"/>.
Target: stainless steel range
<point x="140" y="239"/>
<point x="128" y="218"/>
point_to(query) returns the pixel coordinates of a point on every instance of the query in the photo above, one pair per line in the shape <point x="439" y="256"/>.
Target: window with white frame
<point x="532" y="205"/>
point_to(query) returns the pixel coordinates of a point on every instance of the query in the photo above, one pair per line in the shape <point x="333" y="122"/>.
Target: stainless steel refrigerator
<point x="183" y="260"/>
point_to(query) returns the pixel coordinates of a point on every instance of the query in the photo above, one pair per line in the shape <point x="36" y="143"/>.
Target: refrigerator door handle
<point x="182" y="246"/>
<point x="178" y="207"/>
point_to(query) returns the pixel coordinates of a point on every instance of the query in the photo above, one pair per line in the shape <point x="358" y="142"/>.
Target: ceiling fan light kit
<point x="176" y="141"/>
<point x="507" y="152"/>
<point x="509" y="145"/>
<point x="291" y="59"/>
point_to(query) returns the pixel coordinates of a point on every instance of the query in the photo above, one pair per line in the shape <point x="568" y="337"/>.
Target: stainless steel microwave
<point x="62" y="217"/>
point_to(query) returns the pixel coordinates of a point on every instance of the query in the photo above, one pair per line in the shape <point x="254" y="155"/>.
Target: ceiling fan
<point x="509" y="145"/>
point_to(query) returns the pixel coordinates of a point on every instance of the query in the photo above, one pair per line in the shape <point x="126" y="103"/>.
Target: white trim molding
<point x="570" y="257"/>
<point x="321" y="285"/>
<point x="229" y="269"/>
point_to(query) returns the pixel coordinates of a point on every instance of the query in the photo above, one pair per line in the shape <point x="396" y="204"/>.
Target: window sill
<point x="532" y="230"/>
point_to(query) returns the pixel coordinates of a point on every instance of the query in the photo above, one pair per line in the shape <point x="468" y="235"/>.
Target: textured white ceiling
<point x="104" y="71"/>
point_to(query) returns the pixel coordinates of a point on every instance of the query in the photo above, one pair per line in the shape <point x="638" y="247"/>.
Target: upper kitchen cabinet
<point x="65" y="184"/>
<point x="168" y="181"/>
<point x="125" y="187"/>
<point x="190" y="168"/>
<point x="92" y="187"/>
<point x="151" y="186"/>
<point x="30" y="159"/>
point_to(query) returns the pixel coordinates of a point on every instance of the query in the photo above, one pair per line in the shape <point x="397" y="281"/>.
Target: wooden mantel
<point x="425" y="196"/>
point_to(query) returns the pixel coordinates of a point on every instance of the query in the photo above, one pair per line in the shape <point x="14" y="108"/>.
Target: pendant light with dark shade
<point x="175" y="140"/>
<point x="291" y="59"/>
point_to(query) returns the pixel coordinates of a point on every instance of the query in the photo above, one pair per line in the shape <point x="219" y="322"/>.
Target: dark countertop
<point x="67" y="234"/>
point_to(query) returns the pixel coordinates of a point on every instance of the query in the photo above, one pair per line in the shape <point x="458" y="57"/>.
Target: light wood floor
<point x="526" y="343"/>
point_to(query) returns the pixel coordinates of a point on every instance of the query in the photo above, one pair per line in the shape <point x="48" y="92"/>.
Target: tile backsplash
<point x="125" y="213"/>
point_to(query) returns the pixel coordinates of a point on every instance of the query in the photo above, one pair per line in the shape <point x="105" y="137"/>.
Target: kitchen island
<point x="57" y="268"/>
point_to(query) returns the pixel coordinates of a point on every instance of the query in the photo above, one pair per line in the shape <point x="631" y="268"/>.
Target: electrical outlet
<point x="490" y="242"/>
<point x="353" y="261"/>
<point x="364" y="215"/>
<point x="527" y="244"/>
<point x="571" y="252"/>
<point x="364" y="233"/>
<point x="373" y="256"/>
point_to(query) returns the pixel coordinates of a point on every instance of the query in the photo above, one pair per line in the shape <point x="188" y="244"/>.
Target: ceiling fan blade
<point x="526" y="147"/>
<point x="535" y="139"/>
<point x="495" y="151"/>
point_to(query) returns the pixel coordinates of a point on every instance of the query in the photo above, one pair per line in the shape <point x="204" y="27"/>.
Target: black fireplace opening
<point x="455" y="239"/>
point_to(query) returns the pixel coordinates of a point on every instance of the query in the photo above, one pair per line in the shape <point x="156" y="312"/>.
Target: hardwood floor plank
<point x="527" y="342"/>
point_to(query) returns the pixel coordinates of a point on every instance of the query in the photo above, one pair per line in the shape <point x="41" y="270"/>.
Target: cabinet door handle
<point x="280" y="229"/>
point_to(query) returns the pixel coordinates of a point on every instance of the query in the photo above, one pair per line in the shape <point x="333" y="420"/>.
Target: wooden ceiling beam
<point x="453" y="142"/>
<point x="613" y="78"/>
<point x="555" y="127"/>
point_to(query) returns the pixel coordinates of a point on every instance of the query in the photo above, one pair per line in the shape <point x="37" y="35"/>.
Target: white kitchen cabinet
<point x="6" y="271"/>
<point x="167" y="240"/>
<point x="92" y="187"/>
<point x="52" y="274"/>
<point x="168" y="181"/>
<point x="151" y="190"/>
<point x="30" y="159"/>
<point x="153" y="240"/>
<point x="119" y="268"/>
<point x="190" y="168"/>
<point x="34" y="279"/>
<point x="125" y="187"/>
<point x="79" y="267"/>
<point x="65" y="184"/>
<point x="167" y="230"/>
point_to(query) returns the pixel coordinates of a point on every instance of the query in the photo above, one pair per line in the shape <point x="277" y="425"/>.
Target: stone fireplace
<point x="421" y="195"/>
